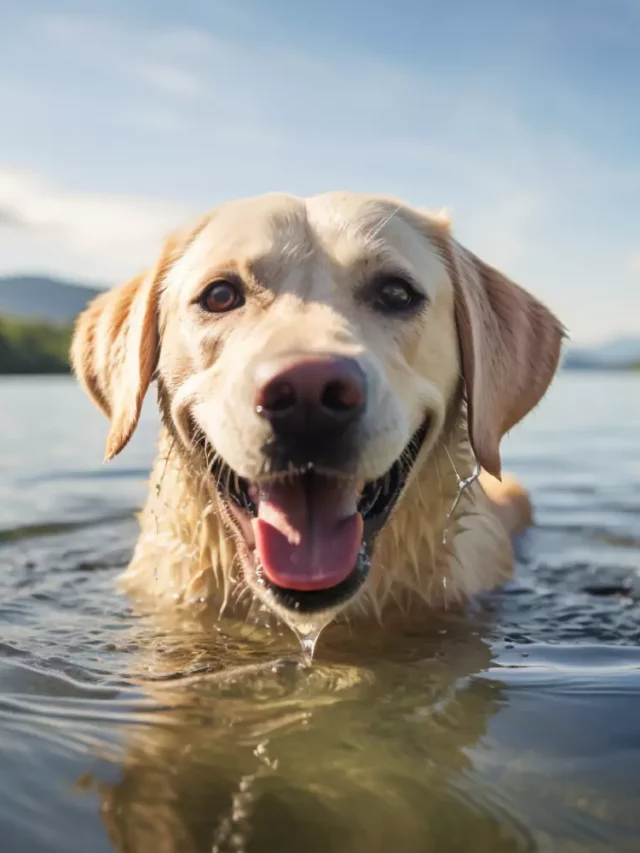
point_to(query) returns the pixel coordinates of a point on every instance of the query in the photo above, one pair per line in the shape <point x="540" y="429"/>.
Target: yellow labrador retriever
<point x="328" y="370"/>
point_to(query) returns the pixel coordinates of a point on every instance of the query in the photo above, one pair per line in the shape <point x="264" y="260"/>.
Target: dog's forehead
<point x="352" y="226"/>
<point x="254" y="227"/>
<point x="345" y="227"/>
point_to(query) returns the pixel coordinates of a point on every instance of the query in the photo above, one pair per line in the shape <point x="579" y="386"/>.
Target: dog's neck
<point x="191" y="556"/>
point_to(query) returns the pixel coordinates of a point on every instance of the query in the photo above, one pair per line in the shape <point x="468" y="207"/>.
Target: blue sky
<point x="121" y="119"/>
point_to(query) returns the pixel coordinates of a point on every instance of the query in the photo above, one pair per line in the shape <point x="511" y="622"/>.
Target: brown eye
<point x="396" y="296"/>
<point x="221" y="296"/>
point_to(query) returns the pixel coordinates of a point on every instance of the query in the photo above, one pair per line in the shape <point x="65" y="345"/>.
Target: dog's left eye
<point x="221" y="296"/>
<point x="395" y="296"/>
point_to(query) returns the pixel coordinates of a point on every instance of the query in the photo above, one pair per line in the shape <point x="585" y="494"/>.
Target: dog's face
<point x="312" y="350"/>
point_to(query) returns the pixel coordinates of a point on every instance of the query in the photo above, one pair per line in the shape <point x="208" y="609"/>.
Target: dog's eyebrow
<point x="233" y="267"/>
<point x="265" y="270"/>
<point x="383" y="260"/>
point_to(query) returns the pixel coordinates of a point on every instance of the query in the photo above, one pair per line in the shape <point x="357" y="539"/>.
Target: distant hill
<point x="41" y="298"/>
<point x="616" y="354"/>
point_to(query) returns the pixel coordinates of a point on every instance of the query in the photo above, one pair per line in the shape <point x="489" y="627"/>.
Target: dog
<point x="331" y="371"/>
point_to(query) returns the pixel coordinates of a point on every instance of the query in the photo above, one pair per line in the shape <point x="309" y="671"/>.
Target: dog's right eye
<point x="221" y="296"/>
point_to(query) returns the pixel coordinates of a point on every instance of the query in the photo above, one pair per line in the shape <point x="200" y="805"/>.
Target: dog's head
<point x="313" y="351"/>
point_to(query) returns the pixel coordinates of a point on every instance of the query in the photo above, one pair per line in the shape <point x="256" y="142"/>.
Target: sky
<point x="120" y="120"/>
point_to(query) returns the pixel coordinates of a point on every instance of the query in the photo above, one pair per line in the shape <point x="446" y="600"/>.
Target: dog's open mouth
<point x="306" y="535"/>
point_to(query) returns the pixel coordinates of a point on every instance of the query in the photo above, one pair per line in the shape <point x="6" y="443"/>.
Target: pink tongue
<point x="308" y="532"/>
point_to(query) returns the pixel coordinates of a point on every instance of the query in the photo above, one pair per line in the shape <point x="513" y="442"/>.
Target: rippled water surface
<point x="514" y="728"/>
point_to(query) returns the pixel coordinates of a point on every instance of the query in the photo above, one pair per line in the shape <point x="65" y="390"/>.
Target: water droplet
<point x="308" y="634"/>
<point x="309" y="646"/>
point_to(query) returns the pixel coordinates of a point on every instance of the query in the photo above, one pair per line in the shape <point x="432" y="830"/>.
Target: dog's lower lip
<point x="316" y="601"/>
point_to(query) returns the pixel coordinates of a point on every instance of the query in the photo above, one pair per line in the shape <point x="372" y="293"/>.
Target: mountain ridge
<point x="41" y="298"/>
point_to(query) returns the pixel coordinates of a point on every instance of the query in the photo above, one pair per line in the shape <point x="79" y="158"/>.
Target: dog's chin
<point x="305" y="536"/>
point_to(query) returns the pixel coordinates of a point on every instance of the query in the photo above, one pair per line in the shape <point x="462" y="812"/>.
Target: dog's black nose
<point x="310" y="393"/>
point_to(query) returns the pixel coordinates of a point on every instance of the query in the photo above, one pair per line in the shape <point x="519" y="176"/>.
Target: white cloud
<point x="101" y="237"/>
<point x="633" y="263"/>
<point x="10" y="218"/>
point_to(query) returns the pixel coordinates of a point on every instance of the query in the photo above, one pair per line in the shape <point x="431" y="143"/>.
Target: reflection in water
<point x="273" y="755"/>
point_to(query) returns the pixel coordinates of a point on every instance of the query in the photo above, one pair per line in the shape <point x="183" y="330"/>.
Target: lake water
<point x="514" y="728"/>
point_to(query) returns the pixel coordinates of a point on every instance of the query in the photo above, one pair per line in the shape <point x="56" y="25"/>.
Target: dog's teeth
<point x="369" y="500"/>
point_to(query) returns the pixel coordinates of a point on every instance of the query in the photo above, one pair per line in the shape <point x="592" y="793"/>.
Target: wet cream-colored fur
<point x="477" y="359"/>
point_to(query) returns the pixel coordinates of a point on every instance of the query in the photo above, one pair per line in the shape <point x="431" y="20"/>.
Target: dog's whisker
<point x="384" y="222"/>
<point x="164" y="470"/>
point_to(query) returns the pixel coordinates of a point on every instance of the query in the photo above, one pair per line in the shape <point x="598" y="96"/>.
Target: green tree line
<point x="33" y="347"/>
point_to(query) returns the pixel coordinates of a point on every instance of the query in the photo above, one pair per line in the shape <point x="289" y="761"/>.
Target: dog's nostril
<point x="311" y="393"/>
<point x="340" y="396"/>
<point x="279" y="397"/>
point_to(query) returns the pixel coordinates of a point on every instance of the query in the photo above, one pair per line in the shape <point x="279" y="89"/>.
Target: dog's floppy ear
<point x="510" y="346"/>
<point x="115" y="348"/>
